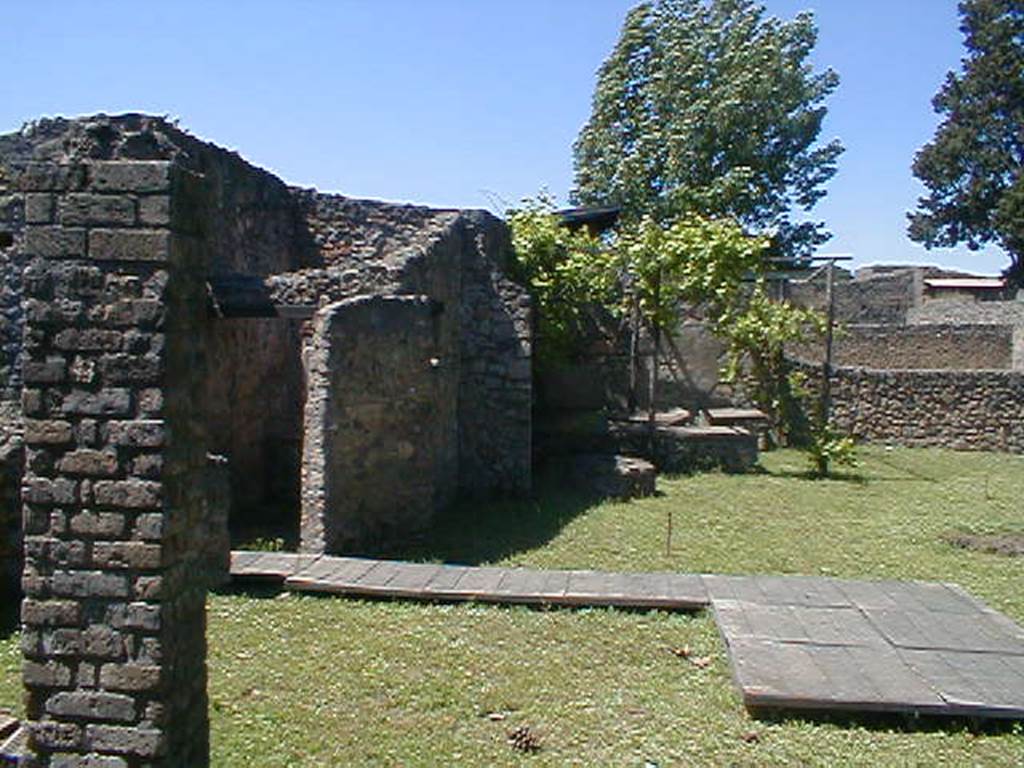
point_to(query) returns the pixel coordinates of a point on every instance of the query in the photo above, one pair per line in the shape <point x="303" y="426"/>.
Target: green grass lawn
<point x="305" y="681"/>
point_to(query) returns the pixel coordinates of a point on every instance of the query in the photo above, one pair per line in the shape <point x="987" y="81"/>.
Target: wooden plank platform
<point x="795" y="642"/>
<point x="427" y="581"/>
<point x="878" y="646"/>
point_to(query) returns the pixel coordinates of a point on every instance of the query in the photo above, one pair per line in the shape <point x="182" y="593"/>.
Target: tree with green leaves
<point x="972" y="167"/>
<point x="710" y="108"/>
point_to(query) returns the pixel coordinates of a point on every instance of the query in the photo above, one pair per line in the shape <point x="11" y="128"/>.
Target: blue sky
<point x="460" y="103"/>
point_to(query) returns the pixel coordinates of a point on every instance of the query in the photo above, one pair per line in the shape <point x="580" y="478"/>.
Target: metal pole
<point x="826" y="381"/>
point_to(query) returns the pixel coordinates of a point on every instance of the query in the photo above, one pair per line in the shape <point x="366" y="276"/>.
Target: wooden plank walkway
<point x="794" y="642"/>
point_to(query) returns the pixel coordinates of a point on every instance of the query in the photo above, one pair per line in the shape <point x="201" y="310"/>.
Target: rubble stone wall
<point x="964" y="410"/>
<point x="948" y="347"/>
<point x="114" y="491"/>
<point x="379" y="417"/>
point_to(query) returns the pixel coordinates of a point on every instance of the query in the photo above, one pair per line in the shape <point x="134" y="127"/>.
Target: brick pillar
<point x="113" y="616"/>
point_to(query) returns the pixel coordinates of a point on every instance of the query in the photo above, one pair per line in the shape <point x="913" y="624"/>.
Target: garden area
<point x="309" y="681"/>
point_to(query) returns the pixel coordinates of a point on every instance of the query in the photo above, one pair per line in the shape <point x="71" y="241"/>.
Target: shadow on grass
<point x="898" y="722"/>
<point x="484" y="531"/>
<point x="853" y="478"/>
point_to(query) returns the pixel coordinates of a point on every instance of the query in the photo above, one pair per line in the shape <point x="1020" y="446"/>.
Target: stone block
<point x="148" y="588"/>
<point x="130" y="677"/>
<point x="130" y="494"/>
<point x="98" y="523"/>
<point x="49" y="371"/>
<point x="92" y="705"/>
<point x="55" y="242"/>
<point x="88" y="340"/>
<point x="49" y="177"/>
<point x="103" y="642"/>
<point x="87" y="461"/>
<point x="43" y="490"/>
<point x="126" y="554"/>
<point x="144" y="616"/>
<point x="91" y="760"/>
<point x="141" y="742"/>
<point x="106" y="402"/>
<point x="45" y="549"/>
<point x="61" y="641"/>
<point x="88" y="584"/>
<point x="139" y="370"/>
<point x="53" y="432"/>
<point x="97" y="210"/>
<point x="155" y="210"/>
<point x="143" y="433"/>
<point x="56" y="613"/>
<point x="51" y="674"/>
<point x="53" y="736"/>
<point x="130" y="176"/>
<point x="129" y="244"/>
<point x="39" y="208"/>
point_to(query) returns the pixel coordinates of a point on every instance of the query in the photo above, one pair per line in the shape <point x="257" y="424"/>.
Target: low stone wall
<point x="964" y="410"/>
<point x="895" y="347"/>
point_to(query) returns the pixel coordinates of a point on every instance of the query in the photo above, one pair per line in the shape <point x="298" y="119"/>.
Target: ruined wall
<point x="947" y="347"/>
<point x="115" y="511"/>
<point x="12" y="454"/>
<point x="495" y="389"/>
<point x="868" y="297"/>
<point x="963" y="410"/>
<point x="378" y="419"/>
<point x="459" y="260"/>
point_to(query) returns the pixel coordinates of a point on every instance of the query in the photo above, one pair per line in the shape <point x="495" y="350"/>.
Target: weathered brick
<point x="88" y="584"/>
<point x="149" y="527"/>
<point x="51" y="674"/>
<point x="155" y="210"/>
<point x="89" y="523"/>
<point x="49" y="371"/>
<point x="97" y="210"/>
<point x="53" y="736"/>
<point x="32" y="402"/>
<point x="82" y="370"/>
<point x="145" y="616"/>
<point x="53" y="432"/>
<point x="88" y="461"/>
<point x="107" y="402"/>
<point x="49" y="177"/>
<point x="130" y="677"/>
<point x="126" y="554"/>
<point x="42" y="490"/>
<point x="131" y="494"/>
<point x="91" y="760"/>
<point x="54" y="242"/>
<point x="148" y="588"/>
<point x="130" y="176"/>
<point x="55" y="613"/>
<point x="137" y="313"/>
<point x="151" y="402"/>
<point x="35" y="520"/>
<point x="88" y="340"/>
<point x="39" y="208"/>
<point x="139" y="370"/>
<point x="129" y="244"/>
<point x="142" y="433"/>
<point x="93" y="705"/>
<point x="101" y="641"/>
<point x="148" y="465"/>
<point x="54" y="312"/>
<point x="61" y="641"/>
<point x="45" y="549"/>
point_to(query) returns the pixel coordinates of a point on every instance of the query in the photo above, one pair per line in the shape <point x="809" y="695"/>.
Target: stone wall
<point x="381" y="453"/>
<point x="967" y="312"/>
<point x="947" y="347"/>
<point x="114" y="491"/>
<point x="965" y="410"/>
<point x="12" y="455"/>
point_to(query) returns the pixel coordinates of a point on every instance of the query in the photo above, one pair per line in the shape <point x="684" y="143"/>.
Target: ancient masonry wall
<point x="948" y="347"/>
<point x="964" y="410"/>
<point x="115" y="510"/>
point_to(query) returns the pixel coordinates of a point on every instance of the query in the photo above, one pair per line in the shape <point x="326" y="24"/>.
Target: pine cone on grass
<point x="523" y="739"/>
